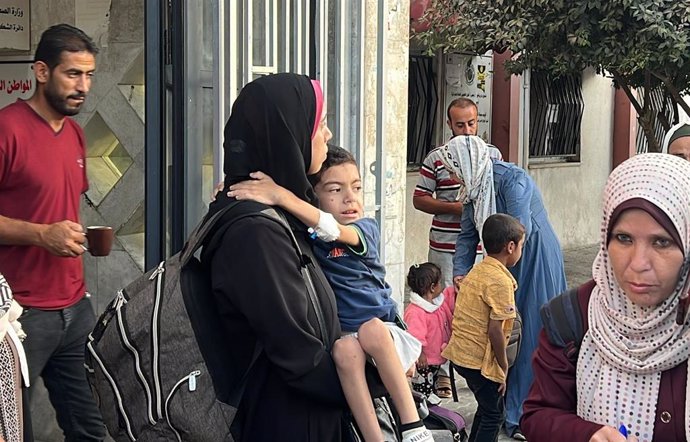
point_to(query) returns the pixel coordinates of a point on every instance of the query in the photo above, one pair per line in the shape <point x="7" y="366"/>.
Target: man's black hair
<point x="335" y="157"/>
<point x="462" y="103"/>
<point x="500" y="229"/>
<point x="62" y="38"/>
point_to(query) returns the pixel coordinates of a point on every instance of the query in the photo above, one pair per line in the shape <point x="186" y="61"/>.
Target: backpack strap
<point x="198" y="235"/>
<point x="279" y="217"/>
<point x="562" y="319"/>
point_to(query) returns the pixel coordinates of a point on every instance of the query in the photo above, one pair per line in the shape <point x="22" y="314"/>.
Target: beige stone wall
<point x="572" y="192"/>
<point x="417" y="225"/>
<point x="395" y="71"/>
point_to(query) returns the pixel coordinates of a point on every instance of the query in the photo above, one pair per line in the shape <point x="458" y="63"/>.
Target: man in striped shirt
<point x="436" y="192"/>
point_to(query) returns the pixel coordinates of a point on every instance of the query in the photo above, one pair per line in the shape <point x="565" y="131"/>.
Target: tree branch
<point x="628" y="92"/>
<point x="673" y="90"/>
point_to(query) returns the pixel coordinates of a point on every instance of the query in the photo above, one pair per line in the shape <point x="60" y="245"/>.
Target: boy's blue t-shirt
<point x="358" y="279"/>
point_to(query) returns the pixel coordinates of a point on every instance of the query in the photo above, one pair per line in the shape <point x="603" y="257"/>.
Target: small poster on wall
<point x="15" y="30"/>
<point x="16" y="81"/>
<point x="470" y="76"/>
<point x="93" y="17"/>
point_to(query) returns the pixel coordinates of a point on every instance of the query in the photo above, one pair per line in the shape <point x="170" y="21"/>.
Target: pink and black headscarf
<point x="270" y="129"/>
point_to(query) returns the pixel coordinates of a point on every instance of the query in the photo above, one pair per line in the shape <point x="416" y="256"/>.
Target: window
<point x="322" y="39"/>
<point x="556" y="108"/>
<point x="664" y="108"/>
<point x="422" y="108"/>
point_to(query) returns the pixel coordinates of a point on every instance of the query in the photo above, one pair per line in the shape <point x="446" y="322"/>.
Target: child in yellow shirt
<point x="482" y="322"/>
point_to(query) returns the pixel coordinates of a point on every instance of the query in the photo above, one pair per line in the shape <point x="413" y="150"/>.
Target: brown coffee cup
<point x="100" y="239"/>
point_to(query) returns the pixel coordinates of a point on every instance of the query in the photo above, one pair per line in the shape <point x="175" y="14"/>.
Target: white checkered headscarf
<point x="5" y="296"/>
<point x="469" y="158"/>
<point x="627" y="346"/>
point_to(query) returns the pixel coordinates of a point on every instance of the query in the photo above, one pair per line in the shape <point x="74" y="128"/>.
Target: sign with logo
<point x="470" y="76"/>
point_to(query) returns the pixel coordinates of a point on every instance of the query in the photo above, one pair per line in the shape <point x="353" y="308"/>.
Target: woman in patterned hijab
<point x="13" y="370"/>
<point x="632" y="368"/>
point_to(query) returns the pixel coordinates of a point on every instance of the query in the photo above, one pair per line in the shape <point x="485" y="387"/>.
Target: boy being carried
<point x="347" y="250"/>
<point x="482" y="322"/>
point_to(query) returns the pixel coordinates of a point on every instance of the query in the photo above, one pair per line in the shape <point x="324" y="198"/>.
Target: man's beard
<point x="59" y="104"/>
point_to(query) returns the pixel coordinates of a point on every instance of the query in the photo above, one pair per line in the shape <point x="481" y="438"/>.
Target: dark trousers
<point x="54" y="346"/>
<point x="491" y="412"/>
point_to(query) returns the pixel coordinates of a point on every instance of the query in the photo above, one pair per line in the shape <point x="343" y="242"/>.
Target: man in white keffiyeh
<point x="632" y="365"/>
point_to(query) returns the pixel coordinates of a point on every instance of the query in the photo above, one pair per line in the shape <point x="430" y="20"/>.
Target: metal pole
<point x="219" y="81"/>
<point x="380" y="124"/>
<point x="177" y="178"/>
<point x="154" y="180"/>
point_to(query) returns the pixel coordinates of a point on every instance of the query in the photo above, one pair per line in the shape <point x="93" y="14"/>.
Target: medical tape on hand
<point x="327" y="229"/>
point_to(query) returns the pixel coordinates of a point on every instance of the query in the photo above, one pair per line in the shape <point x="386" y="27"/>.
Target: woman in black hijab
<point x="292" y="391"/>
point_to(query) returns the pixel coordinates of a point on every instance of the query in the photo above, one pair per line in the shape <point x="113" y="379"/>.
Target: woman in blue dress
<point x="492" y="186"/>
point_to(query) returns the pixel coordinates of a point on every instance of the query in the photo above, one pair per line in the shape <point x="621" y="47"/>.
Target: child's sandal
<point x="443" y="387"/>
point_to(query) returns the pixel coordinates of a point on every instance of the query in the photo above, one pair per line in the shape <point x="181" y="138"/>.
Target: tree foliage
<point x="640" y="43"/>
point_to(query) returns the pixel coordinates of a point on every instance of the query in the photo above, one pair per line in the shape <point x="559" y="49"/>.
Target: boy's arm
<point x="498" y="342"/>
<point x="264" y="190"/>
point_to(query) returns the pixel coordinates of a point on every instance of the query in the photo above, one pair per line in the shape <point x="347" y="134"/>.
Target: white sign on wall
<point x="470" y="76"/>
<point x="16" y="81"/>
<point x="15" y="29"/>
<point x="93" y="17"/>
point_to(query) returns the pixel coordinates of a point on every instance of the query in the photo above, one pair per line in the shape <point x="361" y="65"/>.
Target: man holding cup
<point x="42" y="176"/>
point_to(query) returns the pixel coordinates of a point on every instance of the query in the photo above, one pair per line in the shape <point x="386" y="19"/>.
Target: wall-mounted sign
<point x="93" y="17"/>
<point x="15" y="28"/>
<point x="470" y="76"/>
<point x="16" y="81"/>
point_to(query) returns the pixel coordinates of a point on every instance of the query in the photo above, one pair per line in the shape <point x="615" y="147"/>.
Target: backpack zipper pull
<point x="191" y="382"/>
<point x="160" y="269"/>
<point x="120" y="300"/>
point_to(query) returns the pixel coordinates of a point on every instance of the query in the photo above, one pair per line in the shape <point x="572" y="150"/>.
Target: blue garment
<point x="539" y="274"/>
<point x="357" y="277"/>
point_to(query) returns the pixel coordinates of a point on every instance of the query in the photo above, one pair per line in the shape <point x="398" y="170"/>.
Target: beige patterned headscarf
<point x="469" y="158"/>
<point x="628" y="345"/>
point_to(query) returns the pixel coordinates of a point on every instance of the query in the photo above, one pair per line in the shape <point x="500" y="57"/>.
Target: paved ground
<point x="578" y="269"/>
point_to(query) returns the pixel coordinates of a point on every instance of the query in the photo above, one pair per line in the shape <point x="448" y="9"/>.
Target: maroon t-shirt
<point x="42" y="175"/>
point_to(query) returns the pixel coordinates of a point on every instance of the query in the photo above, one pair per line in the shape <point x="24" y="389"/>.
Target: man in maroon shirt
<point x="42" y="176"/>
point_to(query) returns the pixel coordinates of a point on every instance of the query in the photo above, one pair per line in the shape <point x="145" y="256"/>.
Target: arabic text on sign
<point x="21" y="86"/>
<point x="13" y="11"/>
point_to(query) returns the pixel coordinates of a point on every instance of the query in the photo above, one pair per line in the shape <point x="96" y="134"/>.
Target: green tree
<point x="639" y="43"/>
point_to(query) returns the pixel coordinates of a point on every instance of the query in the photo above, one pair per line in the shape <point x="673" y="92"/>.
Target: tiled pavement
<point x="578" y="269"/>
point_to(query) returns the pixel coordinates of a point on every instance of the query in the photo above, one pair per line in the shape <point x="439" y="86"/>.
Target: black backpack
<point x="562" y="319"/>
<point x="515" y="340"/>
<point x="154" y="359"/>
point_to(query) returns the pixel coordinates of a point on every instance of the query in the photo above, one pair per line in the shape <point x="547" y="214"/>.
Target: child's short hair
<point x="420" y="277"/>
<point x="335" y="157"/>
<point x="500" y="229"/>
